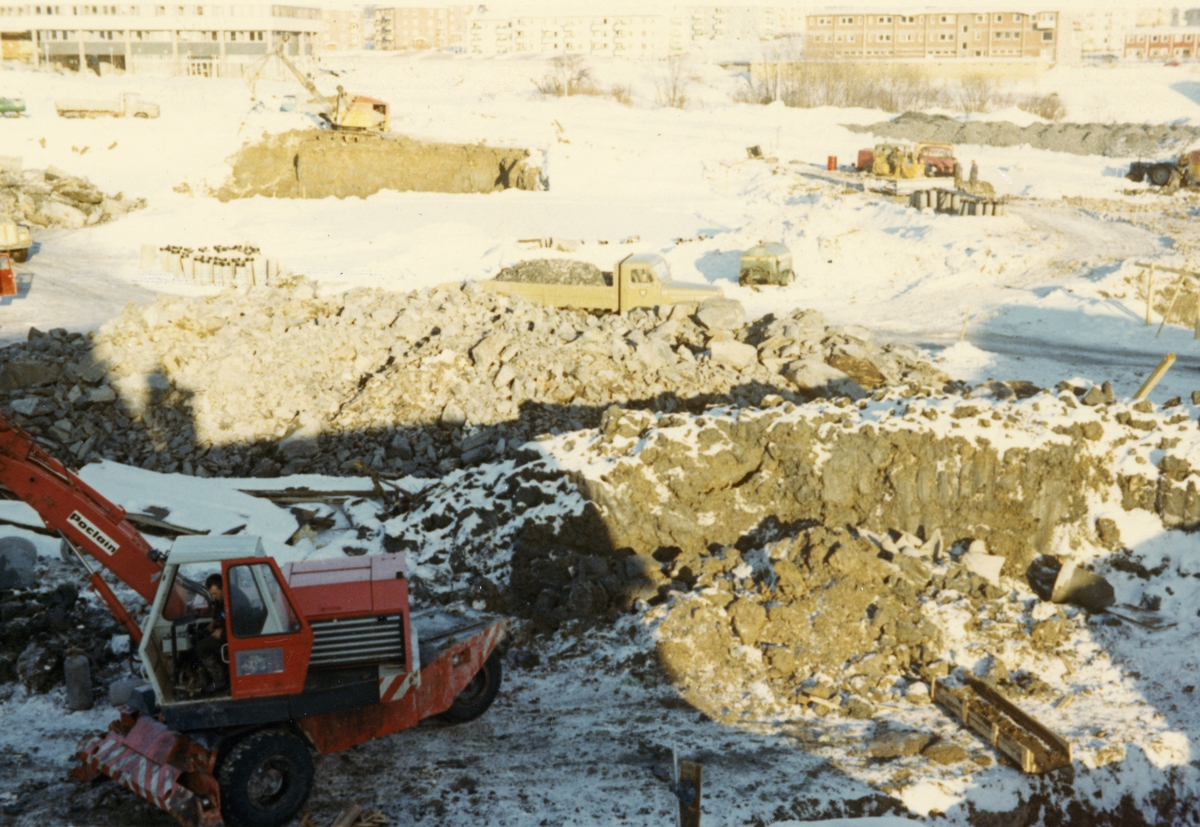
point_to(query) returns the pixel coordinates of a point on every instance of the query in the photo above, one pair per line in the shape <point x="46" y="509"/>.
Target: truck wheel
<point x="1160" y="174"/>
<point x="20" y="256"/>
<point x="265" y="780"/>
<point x="478" y="695"/>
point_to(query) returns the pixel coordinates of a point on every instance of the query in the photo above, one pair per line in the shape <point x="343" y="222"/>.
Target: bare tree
<point x="674" y="78"/>
<point x="568" y="75"/>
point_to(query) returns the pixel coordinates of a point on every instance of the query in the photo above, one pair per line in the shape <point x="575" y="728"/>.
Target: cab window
<point x="257" y="604"/>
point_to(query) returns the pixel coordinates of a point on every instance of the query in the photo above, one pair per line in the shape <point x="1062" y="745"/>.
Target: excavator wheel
<point x="1160" y="174"/>
<point x="20" y="256"/>
<point x="478" y="695"/>
<point x="265" y="779"/>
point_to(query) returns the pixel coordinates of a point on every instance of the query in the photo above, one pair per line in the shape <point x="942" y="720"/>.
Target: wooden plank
<point x="1174" y="270"/>
<point x="347" y="817"/>
<point x="153" y="525"/>
<point x="982" y="709"/>
<point x="292" y="496"/>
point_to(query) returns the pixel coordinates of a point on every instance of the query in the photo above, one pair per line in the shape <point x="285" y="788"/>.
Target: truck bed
<point x="583" y="296"/>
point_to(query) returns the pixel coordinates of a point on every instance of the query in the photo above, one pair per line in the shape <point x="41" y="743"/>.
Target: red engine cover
<point x="373" y="584"/>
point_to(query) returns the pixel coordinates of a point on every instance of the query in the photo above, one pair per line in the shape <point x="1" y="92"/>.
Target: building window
<point x="885" y="20"/>
<point x="999" y="18"/>
<point x="1016" y="18"/>
<point x="846" y="21"/>
<point x="981" y="18"/>
<point x="1047" y="36"/>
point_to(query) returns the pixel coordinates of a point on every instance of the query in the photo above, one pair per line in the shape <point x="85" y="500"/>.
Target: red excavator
<point x="319" y="655"/>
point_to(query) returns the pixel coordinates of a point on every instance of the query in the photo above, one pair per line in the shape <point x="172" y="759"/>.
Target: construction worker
<point x="974" y="173"/>
<point x="208" y="650"/>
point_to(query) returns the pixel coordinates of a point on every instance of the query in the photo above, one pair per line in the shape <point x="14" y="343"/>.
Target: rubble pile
<point x="276" y="381"/>
<point x="553" y="271"/>
<point x="53" y="198"/>
<point x="41" y="626"/>
<point x="824" y="619"/>
<point x="1110" y="140"/>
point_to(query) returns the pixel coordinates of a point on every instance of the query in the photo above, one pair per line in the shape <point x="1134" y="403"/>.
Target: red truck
<point x="321" y="656"/>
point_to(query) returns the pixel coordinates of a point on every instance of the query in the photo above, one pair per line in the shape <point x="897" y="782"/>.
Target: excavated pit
<point x="317" y="164"/>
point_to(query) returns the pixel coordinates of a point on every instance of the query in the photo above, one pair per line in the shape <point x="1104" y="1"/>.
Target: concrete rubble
<point x="423" y="382"/>
<point x="54" y="198"/>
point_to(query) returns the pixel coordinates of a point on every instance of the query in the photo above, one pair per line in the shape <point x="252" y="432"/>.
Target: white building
<point x="1101" y="31"/>
<point x="208" y="40"/>
<point x="630" y="31"/>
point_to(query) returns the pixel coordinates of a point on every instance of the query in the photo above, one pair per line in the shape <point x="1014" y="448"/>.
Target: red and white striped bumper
<point x="166" y="768"/>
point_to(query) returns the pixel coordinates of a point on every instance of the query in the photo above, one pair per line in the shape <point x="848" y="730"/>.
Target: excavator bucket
<point x="168" y="769"/>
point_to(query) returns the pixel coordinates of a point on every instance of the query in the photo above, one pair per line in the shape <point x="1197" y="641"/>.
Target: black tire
<point x="21" y="256"/>
<point x="478" y="695"/>
<point x="265" y="780"/>
<point x="1160" y="174"/>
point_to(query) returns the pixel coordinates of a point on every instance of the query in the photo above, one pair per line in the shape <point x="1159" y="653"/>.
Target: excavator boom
<point x="69" y="506"/>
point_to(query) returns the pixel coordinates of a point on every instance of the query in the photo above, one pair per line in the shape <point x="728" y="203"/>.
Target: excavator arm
<point x="88" y="521"/>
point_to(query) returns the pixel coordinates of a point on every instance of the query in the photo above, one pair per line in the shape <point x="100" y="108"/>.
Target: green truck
<point x="767" y="264"/>
<point x="12" y="107"/>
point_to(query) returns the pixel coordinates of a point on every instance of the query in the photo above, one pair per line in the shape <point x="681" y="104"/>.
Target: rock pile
<point x="40" y="627"/>
<point x="1111" y="140"/>
<point x="553" y="271"/>
<point x="272" y="381"/>
<point x="52" y="198"/>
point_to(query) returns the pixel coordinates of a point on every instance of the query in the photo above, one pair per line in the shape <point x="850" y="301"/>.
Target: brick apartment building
<point x="846" y="35"/>
<point x="421" y="26"/>
<point x="1161" y="43"/>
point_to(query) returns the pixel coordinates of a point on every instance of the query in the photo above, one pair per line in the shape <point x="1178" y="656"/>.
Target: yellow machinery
<point x="897" y="161"/>
<point x="343" y="110"/>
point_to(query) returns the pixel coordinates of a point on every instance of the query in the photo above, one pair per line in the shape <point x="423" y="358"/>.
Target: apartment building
<point x="204" y="40"/>
<point x="634" y="32"/>
<point x="421" y="26"/>
<point x="1161" y="43"/>
<point x="1100" y="31"/>
<point x="342" y="30"/>
<point x="939" y="35"/>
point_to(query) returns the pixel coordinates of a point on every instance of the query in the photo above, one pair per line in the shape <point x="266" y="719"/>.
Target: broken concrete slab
<point x="985" y="565"/>
<point x="1083" y="588"/>
<point x="721" y="314"/>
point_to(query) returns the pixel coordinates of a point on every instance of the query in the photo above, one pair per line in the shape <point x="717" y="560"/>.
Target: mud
<point x="1111" y="140"/>
<point x="309" y="164"/>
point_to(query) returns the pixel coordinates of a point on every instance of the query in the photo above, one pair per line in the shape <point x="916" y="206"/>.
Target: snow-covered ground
<point x="1036" y="289"/>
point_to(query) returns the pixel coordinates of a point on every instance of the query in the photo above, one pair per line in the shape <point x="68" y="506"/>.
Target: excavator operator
<point x="208" y="650"/>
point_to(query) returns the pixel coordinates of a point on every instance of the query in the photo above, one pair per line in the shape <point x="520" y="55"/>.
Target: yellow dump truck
<point x="640" y="280"/>
<point x="15" y="240"/>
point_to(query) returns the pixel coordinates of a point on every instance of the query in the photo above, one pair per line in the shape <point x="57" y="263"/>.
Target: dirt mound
<point x="1112" y="140"/>
<point x="818" y="617"/>
<point x="553" y="271"/>
<point x="52" y="198"/>
<point x="308" y="164"/>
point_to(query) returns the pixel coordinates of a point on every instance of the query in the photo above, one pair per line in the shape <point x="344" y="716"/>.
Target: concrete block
<point x="987" y="566"/>
<point x="1082" y="588"/>
<point x="149" y="257"/>
<point x="77" y="672"/>
<point x="122" y="689"/>
<point x="18" y="563"/>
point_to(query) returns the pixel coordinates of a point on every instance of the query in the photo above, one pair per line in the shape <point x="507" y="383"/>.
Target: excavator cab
<point x="266" y="641"/>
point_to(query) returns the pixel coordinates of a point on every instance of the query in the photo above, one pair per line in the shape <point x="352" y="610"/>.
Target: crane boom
<point x="74" y="509"/>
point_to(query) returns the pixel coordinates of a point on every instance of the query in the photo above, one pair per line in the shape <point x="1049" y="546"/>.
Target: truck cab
<point x="644" y="280"/>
